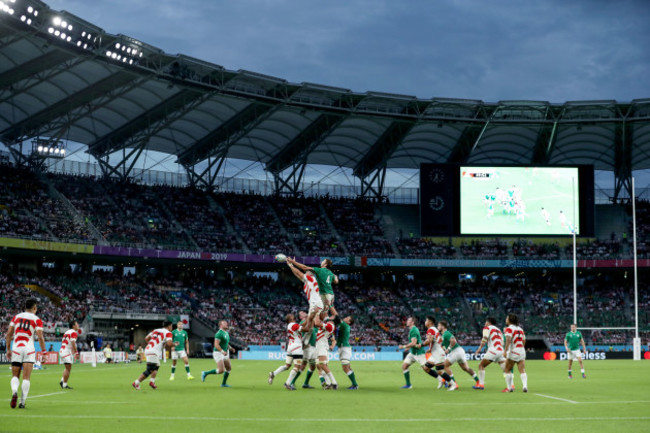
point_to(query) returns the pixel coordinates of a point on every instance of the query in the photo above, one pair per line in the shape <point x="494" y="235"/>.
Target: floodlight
<point x="56" y="21"/>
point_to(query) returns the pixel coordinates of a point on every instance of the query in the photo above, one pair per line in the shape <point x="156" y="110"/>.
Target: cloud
<point x="496" y="50"/>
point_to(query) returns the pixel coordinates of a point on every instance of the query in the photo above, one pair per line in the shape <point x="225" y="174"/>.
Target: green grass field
<point x="614" y="398"/>
<point x="539" y="189"/>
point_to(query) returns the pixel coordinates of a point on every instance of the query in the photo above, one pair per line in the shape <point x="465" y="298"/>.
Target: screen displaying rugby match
<point x="519" y="200"/>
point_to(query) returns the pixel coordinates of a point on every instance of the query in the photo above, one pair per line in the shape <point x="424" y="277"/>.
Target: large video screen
<point x="519" y="200"/>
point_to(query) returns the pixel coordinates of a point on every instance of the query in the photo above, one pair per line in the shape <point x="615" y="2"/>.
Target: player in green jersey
<point x="325" y="278"/>
<point x="572" y="343"/>
<point x="181" y="350"/>
<point x="220" y="354"/>
<point x="455" y="353"/>
<point x="416" y="351"/>
<point x="345" y="350"/>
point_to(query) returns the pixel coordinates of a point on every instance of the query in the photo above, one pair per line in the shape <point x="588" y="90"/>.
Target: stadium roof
<point x="62" y="77"/>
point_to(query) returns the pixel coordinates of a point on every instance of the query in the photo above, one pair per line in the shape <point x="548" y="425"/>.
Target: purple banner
<point x="194" y="255"/>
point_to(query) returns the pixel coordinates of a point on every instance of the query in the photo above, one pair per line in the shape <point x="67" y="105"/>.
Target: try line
<point x="557" y="398"/>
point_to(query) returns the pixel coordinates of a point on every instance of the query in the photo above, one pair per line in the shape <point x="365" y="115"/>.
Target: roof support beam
<point x="288" y="155"/>
<point x="378" y="155"/>
<point x="32" y="67"/>
<point x="218" y="141"/>
<point x="149" y="123"/>
<point x="623" y="161"/>
<point x="372" y="185"/>
<point x="28" y="126"/>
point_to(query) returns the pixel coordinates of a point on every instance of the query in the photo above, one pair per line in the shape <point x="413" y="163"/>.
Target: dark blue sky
<point x="491" y="50"/>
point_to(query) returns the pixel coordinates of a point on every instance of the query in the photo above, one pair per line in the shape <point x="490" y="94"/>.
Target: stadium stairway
<point x="283" y="230"/>
<point x="170" y="216"/>
<point x="38" y="289"/>
<point x="400" y="221"/>
<point x="611" y="219"/>
<point x="330" y="225"/>
<point x="215" y="206"/>
<point x="77" y="216"/>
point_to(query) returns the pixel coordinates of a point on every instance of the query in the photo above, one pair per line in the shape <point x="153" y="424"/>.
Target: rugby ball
<point x="280" y="258"/>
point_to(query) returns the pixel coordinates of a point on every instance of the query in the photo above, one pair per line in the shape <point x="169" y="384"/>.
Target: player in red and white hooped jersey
<point x="493" y="338"/>
<point x="294" y="352"/>
<point x="435" y="364"/>
<point x="515" y="351"/>
<point x="157" y="341"/>
<point x="22" y="329"/>
<point x="311" y="290"/>
<point x="68" y="352"/>
<point x="325" y="331"/>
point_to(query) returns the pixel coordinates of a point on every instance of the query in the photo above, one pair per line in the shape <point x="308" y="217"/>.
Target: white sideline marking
<point x="42" y="395"/>
<point x="557" y="398"/>
<point x="285" y="420"/>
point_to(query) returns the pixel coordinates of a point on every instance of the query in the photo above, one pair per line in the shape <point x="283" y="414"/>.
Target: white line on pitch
<point x="286" y="420"/>
<point x="44" y="395"/>
<point x="557" y="398"/>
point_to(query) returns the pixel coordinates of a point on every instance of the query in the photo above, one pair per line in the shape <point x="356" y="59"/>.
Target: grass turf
<point x="614" y="397"/>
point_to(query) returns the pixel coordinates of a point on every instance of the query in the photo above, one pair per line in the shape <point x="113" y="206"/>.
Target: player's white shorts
<point x="437" y="356"/>
<point x="457" y="355"/>
<point x="322" y="350"/>
<point x="23" y="354"/>
<point x="410" y="359"/>
<point x="315" y="304"/>
<point x="66" y="356"/>
<point x="517" y="355"/>
<point x="310" y="353"/>
<point x="218" y="356"/>
<point x="345" y="354"/>
<point x="574" y="354"/>
<point x="293" y="351"/>
<point x="494" y="355"/>
<point x="327" y="298"/>
<point x="178" y="354"/>
<point x="152" y="358"/>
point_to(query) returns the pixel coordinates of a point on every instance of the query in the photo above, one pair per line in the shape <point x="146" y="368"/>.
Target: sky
<point x="494" y="50"/>
<point x="490" y="50"/>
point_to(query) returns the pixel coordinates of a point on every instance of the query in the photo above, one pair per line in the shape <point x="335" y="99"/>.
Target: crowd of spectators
<point x="256" y="306"/>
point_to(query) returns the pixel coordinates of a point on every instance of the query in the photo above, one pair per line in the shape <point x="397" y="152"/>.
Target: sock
<point x="65" y="384"/>
<point x="582" y="370"/>
<point x="509" y="380"/>
<point x="309" y="373"/>
<point x="279" y="370"/>
<point x="322" y="379"/>
<point x="481" y="377"/>
<point x="293" y="382"/>
<point x="446" y="376"/>
<point x="352" y="378"/>
<point x="292" y="377"/>
<point x="225" y="377"/>
<point x="23" y="397"/>
<point x="432" y="373"/>
<point x="453" y="378"/>
<point x="62" y="379"/>
<point x="570" y="374"/>
<point x="137" y="382"/>
<point x="407" y="377"/>
<point x="330" y="376"/>
<point x="187" y="369"/>
<point x="210" y="372"/>
<point x="475" y="377"/>
<point x="152" y="380"/>
<point x="326" y="378"/>
<point x="524" y="380"/>
<point x="439" y="378"/>
<point x="173" y="369"/>
<point x="15" y="382"/>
